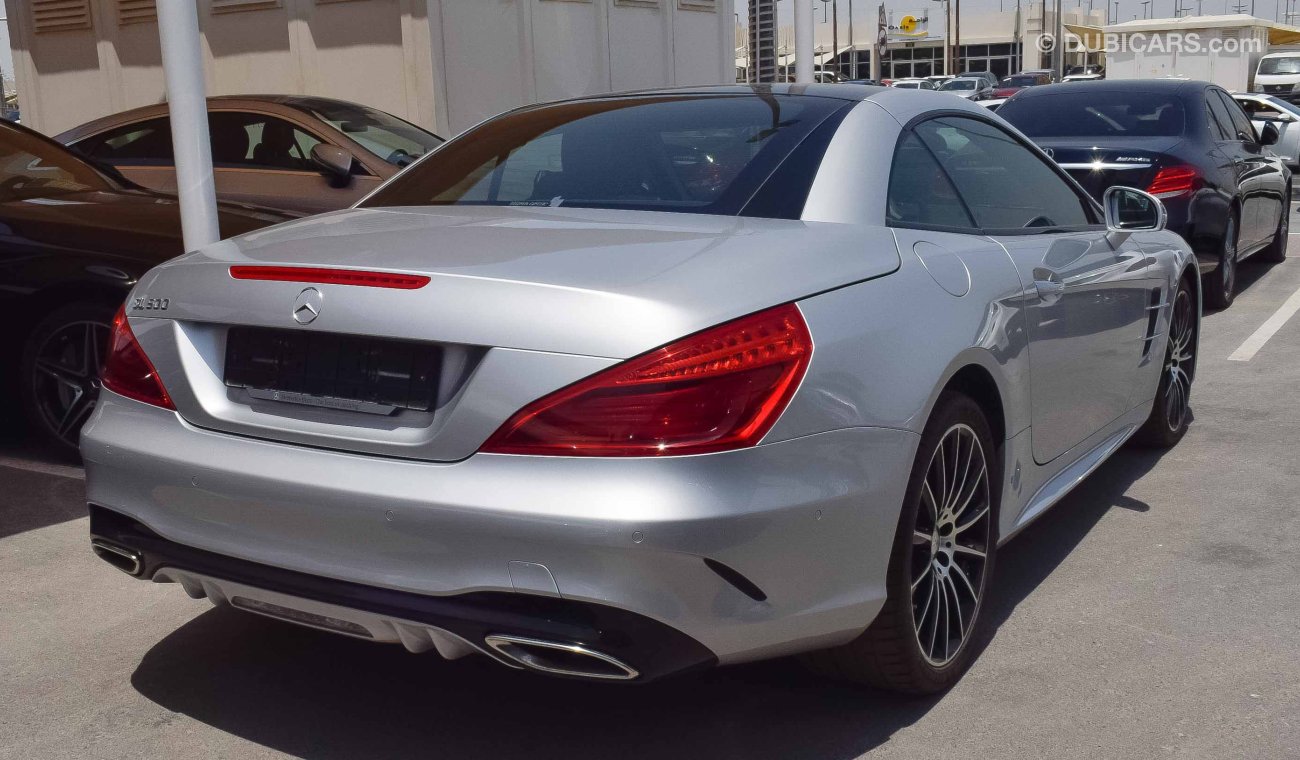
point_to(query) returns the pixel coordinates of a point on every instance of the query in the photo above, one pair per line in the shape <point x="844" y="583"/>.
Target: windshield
<point x="700" y="154"/>
<point x="1287" y="64"/>
<point x="33" y="168"/>
<point x="1019" y="81"/>
<point x="397" y="142"/>
<point x="1127" y="114"/>
<point x="959" y="84"/>
<point x="908" y="85"/>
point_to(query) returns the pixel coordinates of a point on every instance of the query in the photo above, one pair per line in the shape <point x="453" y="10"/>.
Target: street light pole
<point x="803" y="41"/>
<point x="178" y="32"/>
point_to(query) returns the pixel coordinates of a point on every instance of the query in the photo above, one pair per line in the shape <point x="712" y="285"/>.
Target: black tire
<point x="59" y="373"/>
<point x="1221" y="284"/>
<point x="890" y="653"/>
<point x="1275" y="253"/>
<point x="1171" y="410"/>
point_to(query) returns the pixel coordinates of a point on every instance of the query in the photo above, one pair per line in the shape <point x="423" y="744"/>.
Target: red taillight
<point x="1174" y="180"/>
<point x="331" y="276"/>
<point x="722" y="388"/>
<point x="128" y="372"/>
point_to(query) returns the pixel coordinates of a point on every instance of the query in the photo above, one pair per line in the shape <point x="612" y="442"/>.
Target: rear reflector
<point x="331" y="277"/>
<point x="1174" y="180"/>
<point x="719" y="389"/>
<point x="128" y="372"/>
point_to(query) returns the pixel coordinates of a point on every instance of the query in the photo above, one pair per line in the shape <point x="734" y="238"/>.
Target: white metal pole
<point x="178" y="29"/>
<point x="803" y="41"/>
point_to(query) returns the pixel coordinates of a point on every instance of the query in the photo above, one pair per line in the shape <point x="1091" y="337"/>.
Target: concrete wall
<point x="444" y="64"/>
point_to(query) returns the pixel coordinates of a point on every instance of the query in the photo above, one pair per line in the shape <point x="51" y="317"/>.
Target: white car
<point x="992" y="103"/>
<point x="913" y="84"/>
<point x="1279" y="74"/>
<point x="1284" y="115"/>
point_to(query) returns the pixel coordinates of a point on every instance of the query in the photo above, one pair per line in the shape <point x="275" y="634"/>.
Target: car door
<point x="263" y="159"/>
<point x="1086" y="300"/>
<point x="1249" y="165"/>
<point x="1264" y="173"/>
<point x="141" y="151"/>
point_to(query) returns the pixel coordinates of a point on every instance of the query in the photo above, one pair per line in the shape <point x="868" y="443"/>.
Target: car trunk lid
<point x="1101" y="163"/>
<point x="519" y="302"/>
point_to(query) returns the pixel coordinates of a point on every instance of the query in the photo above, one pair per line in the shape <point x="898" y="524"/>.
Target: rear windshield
<point x="1121" y="114"/>
<point x="959" y="84"/>
<point x="700" y="154"/>
<point x="1282" y="65"/>
<point x="1020" y="81"/>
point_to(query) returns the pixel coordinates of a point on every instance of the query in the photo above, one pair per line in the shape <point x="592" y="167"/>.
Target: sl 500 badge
<point x="145" y="303"/>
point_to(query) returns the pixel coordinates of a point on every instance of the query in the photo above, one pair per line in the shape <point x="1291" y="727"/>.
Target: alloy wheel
<point x="1178" y="388"/>
<point x="1229" y="273"/>
<point x="950" y="544"/>
<point x="66" y="376"/>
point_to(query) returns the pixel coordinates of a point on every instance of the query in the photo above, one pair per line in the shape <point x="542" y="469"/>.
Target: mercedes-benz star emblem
<point x="307" y="306"/>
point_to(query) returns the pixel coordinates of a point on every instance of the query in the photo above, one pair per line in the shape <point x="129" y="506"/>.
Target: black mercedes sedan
<point x="74" y="238"/>
<point x="1189" y="144"/>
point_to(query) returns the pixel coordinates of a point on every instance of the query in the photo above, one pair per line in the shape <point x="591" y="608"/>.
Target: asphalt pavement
<point x="1152" y="613"/>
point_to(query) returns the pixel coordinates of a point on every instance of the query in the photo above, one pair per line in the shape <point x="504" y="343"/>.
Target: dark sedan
<point x="74" y="239"/>
<point x="1189" y="144"/>
<point x="282" y="151"/>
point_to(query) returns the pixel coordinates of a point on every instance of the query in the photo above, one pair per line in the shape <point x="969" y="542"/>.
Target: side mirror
<point x="334" y="162"/>
<point x="1269" y="134"/>
<point x="1130" y="210"/>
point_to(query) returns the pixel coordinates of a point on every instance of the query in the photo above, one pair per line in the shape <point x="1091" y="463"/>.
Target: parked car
<point x="868" y="82"/>
<point x="1279" y="74"/>
<point x="631" y="416"/>
<point x="299" y="153"/>
<point x="74" y="239"/>
<point x="988" y="76"/>
<point x="1050" y="74"/>
<point x="993" y="104"/>
<point x="1189" y="144"/>
<point x="912" y="84"/>
<point x="1016" y="82"/>
<point x="1089" y="73"/>
<point x="1283" y="115"/>
<point x="938" y="79"/>
<point x="971" y="88"/>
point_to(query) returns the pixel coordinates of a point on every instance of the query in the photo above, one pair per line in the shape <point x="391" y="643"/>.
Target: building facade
<point x="442" y="64"/>
<point x="1002" y="42"/>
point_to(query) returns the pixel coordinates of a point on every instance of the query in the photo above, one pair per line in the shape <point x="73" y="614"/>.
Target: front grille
<point x="1277" y="88"/>
<point x="339" y="371"/>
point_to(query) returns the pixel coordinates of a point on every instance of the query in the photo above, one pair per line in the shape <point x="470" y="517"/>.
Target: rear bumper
<point x="796" y="534"/>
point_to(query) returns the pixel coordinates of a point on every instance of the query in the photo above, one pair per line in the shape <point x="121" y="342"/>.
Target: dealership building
<point x="1002" y="42"/>
<point x="443" y="64"/>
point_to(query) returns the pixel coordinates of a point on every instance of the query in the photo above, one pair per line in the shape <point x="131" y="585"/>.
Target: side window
<point x="919" y="191"/>
<point x="258" y="141"/>
<point x="1256" y="109"/>
<point x="1240" y="122"/>
<point x="1005" y="185"/>
<point x="145" y="143"/>
<point x="1219" y="119"/>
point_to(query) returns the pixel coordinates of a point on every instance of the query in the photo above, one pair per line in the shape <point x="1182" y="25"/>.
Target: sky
<point x="1128" y="9"/>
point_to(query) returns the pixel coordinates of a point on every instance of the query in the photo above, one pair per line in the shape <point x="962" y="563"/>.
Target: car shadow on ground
<point x="318" y="695"/>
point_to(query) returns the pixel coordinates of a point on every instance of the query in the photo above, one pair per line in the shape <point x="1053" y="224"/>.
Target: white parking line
<point x="1246" y="351"/>
<point x="62" y="470"/>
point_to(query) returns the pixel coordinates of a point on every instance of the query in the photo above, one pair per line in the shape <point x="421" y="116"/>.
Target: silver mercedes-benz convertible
<point x="627" y="386"/>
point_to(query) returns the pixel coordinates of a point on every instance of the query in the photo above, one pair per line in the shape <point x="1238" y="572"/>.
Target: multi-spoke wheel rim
<point x="1182" y="348"/>
<point x="1230" y="257"/>
<point x="950" y="544"/>
<point x="66" y="376"/>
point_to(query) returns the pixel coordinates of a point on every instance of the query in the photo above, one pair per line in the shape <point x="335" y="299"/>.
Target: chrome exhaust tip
<point x="127" y="560"/>
<point x="560" y="659"/>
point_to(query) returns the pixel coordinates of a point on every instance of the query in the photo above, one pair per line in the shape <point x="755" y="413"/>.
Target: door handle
<point x="1049" y="291"/>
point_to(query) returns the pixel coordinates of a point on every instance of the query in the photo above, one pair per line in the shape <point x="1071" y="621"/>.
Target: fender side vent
<point x="1153" y="316"/>
<point x="742" y="584"/>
